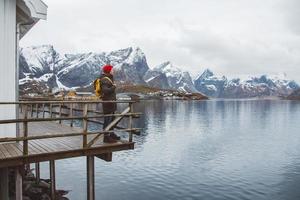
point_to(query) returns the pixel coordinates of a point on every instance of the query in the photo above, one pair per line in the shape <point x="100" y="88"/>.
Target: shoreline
<point x="33" y="190"/>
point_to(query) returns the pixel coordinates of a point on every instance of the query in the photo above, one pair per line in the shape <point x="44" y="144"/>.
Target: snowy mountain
<point x="262" y="86"/>
<point x="42" y="64"/>
<point x="43" y="68"/>
<point x="170" y="77"/>
<point x="294" y="95"/>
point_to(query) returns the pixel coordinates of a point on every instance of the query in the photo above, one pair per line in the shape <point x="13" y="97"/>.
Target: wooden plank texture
<point x="11" y="154"/>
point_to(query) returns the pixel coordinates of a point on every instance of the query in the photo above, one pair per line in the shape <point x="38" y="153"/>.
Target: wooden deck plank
<point x="58" y="145"/>
<point x="67" y="143"/>
<point x="12" y="149"/>
<point x="35" y="149"/>
<point x="5" y="151"/>
<point x="2" y="155"/>
<point x="42" y="146"/>
<point x="11" y="154"/>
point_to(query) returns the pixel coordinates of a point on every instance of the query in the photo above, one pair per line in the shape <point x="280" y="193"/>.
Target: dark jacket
<point x="108" y="93"/>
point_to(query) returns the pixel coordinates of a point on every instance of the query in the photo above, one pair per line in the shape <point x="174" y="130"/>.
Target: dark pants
<point x="108" y="120"/>
<point x="108" y="108"/>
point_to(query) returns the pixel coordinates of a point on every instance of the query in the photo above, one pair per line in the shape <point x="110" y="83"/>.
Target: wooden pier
<point x="47" y="133"/>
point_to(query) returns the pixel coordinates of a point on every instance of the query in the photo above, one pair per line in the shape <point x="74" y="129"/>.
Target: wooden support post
<point x="50" y="110"/>
<point x="52" y="179"/>
<point x="31" y="110"/>
<point x="71" y="114"/>
<point x="4" y="183"/>
<point x="90" y="177"/>
<point x="19" y="183"/>
<point x="25" y="131"/>
<point x="60" y="109"/>
<point x="37" y="172"/>
<point x="130" y="121"/>
<point x="37" y="110"/>
<point x="85" y="125"/>
<point x="43" y="110"/>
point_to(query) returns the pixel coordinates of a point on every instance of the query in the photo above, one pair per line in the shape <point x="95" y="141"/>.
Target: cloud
<point x="291" y="10"/>
<point x="232" y="37"/>
<point x="242" y="55"/>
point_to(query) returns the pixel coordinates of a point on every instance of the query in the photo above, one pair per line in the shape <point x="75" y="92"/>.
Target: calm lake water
<point x="247" y="149"/>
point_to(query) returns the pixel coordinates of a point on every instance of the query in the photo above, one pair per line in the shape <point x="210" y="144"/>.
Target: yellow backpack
<point x="97" y="86"/>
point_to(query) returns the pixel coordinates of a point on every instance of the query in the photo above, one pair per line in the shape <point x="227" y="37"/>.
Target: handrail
<point x="38" y="137"/>
<point x="67" y="108"/>
<point x="68" y="101"/>
<point x="11" y="121"/>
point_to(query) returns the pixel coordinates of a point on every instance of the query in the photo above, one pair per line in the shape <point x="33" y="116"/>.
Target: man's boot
<point x="108" y="139"/>
<point x="114" y="136"/>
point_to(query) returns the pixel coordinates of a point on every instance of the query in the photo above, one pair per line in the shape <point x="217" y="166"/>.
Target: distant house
<point x="84" y="94"/>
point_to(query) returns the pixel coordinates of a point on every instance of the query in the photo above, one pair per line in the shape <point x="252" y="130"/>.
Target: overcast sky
<point x="230" y="37"/>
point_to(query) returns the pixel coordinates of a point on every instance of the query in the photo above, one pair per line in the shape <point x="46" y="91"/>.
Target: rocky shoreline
<point x="33" y="190"/>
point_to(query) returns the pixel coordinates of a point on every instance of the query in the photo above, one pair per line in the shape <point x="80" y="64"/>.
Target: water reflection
<point x="201" y="150"/>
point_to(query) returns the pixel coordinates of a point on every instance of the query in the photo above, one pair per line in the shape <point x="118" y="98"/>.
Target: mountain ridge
<point x="45" y="68"/>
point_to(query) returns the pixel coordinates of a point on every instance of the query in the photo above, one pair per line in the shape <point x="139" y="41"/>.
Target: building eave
<point x="29" y="12"/>
<point x="38" y="9"/>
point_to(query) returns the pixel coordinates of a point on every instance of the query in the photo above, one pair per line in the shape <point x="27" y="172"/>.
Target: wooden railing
<point x="46" y="111"/>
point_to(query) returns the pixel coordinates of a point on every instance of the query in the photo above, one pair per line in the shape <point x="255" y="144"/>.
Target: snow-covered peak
<point x="206" y="74"/>
<point x="169" y="69"/>
<point x="251" y="86"/>
<point x="177" y="78"/>
<point x="135" y="56"/>
<point x="41" y="59"/>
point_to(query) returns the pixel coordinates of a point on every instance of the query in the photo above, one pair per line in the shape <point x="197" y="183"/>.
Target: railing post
<point x="71" y="114"/>
<point x="4" y="189"/>
<point x="37" y="172"/>
<point x="130" y="121"/>
<point x="52" y="179"/>
<point x="18" y="183"/>
<point x="43" y="110"/>
<point x="37" y="110"/>
<point x="25" y="131"/>
<point x="50" y="110"/>
<point x="90" y="165"/>
<point x="31" y="110"/>
<point x="85" y="125"/>
<point x="60" y="108"/>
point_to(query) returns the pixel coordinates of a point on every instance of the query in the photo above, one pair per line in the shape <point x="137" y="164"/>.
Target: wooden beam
<point x="37" y="172"/>
<point x="130" y="122"/>
<point x="31" y="110"/>
<point x="85" y="126"/>
<point x="43" y="110"/>
<point x="100" y="122"/>
<point x="11" y="121"/>
<point x="43" y="157"/>
<point x="71" y="114"/>
<point x="25" y="131"/>
<point x="50" y="110"/>
<point x="105" y="156"/>
<point x="53" y="135"/>
<point x="4" y="193"/>
<point x="19" y="183"/>
<point x="90" y="167"/>
<point x="52" y="179"/>
<point x="37" y="110"/>
<point x="60" y="110"/>
<point x="110" y="126"/>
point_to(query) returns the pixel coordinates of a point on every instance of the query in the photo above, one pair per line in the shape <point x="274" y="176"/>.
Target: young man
<point x="108" y="93"/>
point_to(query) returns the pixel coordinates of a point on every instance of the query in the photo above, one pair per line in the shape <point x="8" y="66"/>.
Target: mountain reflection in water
<point x="232" y="149"/>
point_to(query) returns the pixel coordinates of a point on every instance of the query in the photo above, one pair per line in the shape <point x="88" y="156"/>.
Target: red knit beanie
<point x="107" y="68"/>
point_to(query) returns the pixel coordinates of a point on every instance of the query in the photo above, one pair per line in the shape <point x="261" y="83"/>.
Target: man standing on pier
<point x="107" y="93"/>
